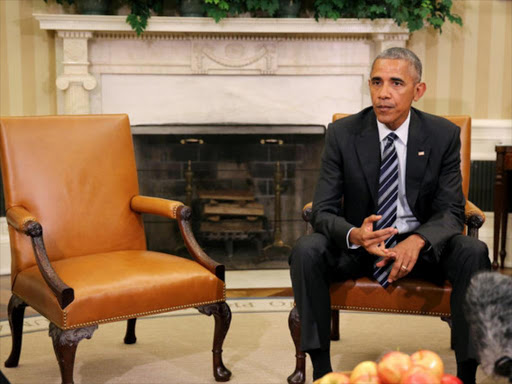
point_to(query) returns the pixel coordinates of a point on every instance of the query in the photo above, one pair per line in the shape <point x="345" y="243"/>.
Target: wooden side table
<point x="501" y="202"/>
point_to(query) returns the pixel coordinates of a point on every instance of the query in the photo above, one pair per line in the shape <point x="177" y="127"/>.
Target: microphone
<point x="488" y="309"/>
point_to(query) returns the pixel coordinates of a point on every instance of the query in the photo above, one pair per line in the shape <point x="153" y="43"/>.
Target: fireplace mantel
<point x="203" y="25"/>
<point x="196" y="71"/>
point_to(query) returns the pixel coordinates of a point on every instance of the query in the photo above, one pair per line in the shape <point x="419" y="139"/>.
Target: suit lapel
<point x="368" y="152"/>
<point x="418" y="151"/>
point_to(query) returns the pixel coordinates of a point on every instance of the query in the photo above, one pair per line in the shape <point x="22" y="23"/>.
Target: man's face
<point x="393" y="87"/>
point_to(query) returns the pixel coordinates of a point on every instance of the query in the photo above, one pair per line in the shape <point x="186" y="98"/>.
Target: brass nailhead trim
<point x="369" y="309"/>
<point x="111" y="319"/>
<point x="65" y="314"/>
<point x="175" y="210"/>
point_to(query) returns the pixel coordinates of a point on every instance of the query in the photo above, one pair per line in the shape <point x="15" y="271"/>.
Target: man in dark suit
<point x="402" y="215"/>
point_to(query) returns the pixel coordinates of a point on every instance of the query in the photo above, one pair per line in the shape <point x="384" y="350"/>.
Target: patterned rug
<point x="176" y="347"/>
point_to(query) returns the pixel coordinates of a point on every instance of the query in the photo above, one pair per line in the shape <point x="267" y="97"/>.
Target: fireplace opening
<point x="246" y="185"/>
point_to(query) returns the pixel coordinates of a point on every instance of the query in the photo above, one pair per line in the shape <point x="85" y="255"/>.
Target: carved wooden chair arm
<point x="474" y="218"/>
<point x="21" y="219"/>
<point x="306" y="212"/>
<point x="177" y="211"/>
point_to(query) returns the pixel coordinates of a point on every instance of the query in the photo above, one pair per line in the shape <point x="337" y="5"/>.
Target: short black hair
<point x="403" y="54"/>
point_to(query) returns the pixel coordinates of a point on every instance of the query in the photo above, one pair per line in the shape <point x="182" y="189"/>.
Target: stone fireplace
<point x="230" y="84"/>
<point x="231" y="162"/>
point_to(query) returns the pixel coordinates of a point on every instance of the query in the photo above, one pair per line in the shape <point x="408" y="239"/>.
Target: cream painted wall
<point x="27" y="60"/>
<point x="468" y="69"/>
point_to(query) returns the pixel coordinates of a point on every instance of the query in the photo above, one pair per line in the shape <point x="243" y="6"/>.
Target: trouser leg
<point x="314" y="264"/>
<point x="309" y="274"/>
<point x="462" y="258"/>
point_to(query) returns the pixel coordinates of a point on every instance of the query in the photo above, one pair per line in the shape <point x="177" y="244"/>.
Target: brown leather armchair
<point x="77" y="239"/>
<point x="407" y="295"/>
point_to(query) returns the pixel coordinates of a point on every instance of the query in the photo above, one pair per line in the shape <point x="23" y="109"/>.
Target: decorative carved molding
<point x="156" y="36"/>
<point x="87" y="81"/>
<point x="260" y="56"/>
<point x="74" y="34"/>
<point x="75" y="81"/>
<point x="75" y="51"/>
<point x="390" y="36"/>
<point x="384" y="41"/>
<point x="71" y="336"/>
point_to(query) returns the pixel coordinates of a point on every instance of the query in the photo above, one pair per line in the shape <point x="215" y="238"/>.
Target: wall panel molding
<point x="486" y="134"/>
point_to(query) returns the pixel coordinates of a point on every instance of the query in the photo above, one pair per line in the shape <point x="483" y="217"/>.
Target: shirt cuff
<point x="349" y="245"/>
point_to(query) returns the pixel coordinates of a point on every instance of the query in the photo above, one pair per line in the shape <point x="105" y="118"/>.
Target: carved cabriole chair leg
<point x="335" y="324"/>
<point x="64" y="345"/>
<point x="222" y="314"/>
<point x="299" y="375"/>
<point x="16" y="312"/>
<point x="130" y="337"/>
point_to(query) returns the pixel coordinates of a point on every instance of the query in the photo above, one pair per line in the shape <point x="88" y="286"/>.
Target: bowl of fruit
<point x="422" y="367"/>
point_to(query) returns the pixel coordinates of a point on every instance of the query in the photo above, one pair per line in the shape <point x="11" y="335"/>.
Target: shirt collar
<point x="402" y="132"/>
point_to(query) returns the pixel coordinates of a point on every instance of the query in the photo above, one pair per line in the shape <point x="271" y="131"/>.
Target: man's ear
<point x="419" y="90"/>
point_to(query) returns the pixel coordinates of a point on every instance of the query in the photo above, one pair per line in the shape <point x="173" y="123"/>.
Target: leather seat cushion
<point x="120" y="285"/>
<point x="408" y="296"/>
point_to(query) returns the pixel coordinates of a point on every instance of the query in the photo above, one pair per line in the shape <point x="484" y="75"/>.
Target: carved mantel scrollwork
<point x="235" y="56"/>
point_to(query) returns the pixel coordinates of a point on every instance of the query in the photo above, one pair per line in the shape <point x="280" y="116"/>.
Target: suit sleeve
<point x="447" y="217"/>
<point x="326" y="218"/>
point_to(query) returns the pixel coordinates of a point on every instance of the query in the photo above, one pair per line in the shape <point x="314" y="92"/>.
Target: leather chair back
<point x="76" y="219"/>
<point x="464" y="123"/>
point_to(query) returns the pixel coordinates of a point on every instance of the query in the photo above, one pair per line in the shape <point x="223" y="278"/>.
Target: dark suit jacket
<point x="350" y="173"/>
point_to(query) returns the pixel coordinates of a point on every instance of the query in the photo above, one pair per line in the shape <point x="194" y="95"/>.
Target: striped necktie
<point x="388" y="200"/>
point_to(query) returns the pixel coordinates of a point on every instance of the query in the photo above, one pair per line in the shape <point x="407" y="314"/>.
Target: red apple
<point x="391" y="367"/>
<point x="450" y="379"/>
<point x="365" y="373"/>
<point x="430" y="361"/>
<point x="333" y="378"/>
<point x="419" y="375"/>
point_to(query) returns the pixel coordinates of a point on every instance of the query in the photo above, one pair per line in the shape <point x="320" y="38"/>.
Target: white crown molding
<point x="379" y="27"/>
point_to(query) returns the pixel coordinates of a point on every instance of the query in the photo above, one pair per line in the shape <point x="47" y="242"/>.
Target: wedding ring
<point x="404" y="268"/>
